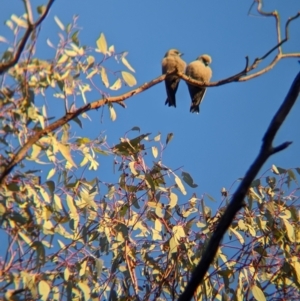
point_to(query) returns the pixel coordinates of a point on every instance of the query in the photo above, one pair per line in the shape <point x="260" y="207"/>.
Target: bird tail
<point x="195" y="108"/>
<point x="171" y="102"/>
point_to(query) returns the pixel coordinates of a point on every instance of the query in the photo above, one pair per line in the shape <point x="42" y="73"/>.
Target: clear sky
<point x="217" y="146"/>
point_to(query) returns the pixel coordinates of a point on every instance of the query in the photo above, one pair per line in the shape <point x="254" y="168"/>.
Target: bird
<point x="200" y="71"/>
<point x="172" y="61"/>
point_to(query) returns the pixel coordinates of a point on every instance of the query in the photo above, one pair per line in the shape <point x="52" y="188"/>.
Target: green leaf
<point x="169" y="138"/>
<point x="136" y="128"/>
<point x="101" y="44"/>
<point x="210" y="197"/>
<point x="41" y="9"/>
<point x="188" y="179"/>
<point x="99" y="266"/>
<point x="128" y="78"/>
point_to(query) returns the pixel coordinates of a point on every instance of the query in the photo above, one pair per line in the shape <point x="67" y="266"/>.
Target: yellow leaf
<point x="19" y="21"/>
<point x="59" y="23"/>
<point x="125" y="62"/>
<point x="258" y="293"/>
<point x="92" y="73"/>
<point x="117" y="85"/>
<point x="3" y="40"/>
<point x="180" y="185"/>
<point x="66" y="274"/>
<point x="25" y="238"/>
<point x="129" y="78"/>
<point x="238" y="235"/>
<point x="65" y="151"/>
<point x="296" y="265"/>
<point x="101" y="44"/>
<point x="111" y="49"/>
<point x="57" y="201"/>
<point x="113" y="115"/>
<point x="70" y="52"/>
<point x="154" y="151"/>
<point x="173" y="200"/>
<point x="71" y="205"/>
<point x="86" y="290"/>
<point x="157" y="138"/>
<point x="44" y="290"/>
<point x="290" y="230"/>
<point x="275" y="170"/>
<point x="104" y="77"/>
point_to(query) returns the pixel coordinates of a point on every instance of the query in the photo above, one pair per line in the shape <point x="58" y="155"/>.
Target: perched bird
<point x="172" y="62"/>
<point x="200" y="71"/>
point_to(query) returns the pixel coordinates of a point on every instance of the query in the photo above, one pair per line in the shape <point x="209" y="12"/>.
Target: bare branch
<point x="242" y="76"/>
<point x="237" y="201"/>
<point x="31" y="27"/>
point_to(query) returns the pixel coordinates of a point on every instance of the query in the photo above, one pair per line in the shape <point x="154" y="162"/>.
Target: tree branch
<point x="31" y="27"/>
<point x="68" y="117"/>
<point x="242" y="76"/>
<point x="237" y="201"/>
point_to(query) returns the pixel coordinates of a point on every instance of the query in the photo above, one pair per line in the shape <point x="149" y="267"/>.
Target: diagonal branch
<point x="20" y="155"/>
<point x="236" y="204"/>
<point x="31" y="27"/>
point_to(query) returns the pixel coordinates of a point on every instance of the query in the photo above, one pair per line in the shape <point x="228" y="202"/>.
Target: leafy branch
<point x="31" y="27"/>
<point x="239" y="77"/>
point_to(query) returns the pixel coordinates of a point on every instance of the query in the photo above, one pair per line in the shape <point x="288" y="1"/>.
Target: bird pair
<point x="198" y="70"/>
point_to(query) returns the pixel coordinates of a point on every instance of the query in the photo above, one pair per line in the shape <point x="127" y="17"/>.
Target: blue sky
<point x="217" y="146"/>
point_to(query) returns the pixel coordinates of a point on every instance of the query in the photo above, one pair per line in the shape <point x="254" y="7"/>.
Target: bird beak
<point x="181" y="54"/>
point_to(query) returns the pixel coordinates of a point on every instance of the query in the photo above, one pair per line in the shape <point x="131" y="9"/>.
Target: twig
<point x="31" y="27"/>
<point x="236" y="204"/>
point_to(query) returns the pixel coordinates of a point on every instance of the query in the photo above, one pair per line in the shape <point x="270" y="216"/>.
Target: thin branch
<point x="236" y="204"/>
<point x="242" y="76"/>
<point x="28" y="11"/>
<point x="31" y="27"/>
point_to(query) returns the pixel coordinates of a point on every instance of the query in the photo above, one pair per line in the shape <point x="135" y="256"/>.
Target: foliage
<point x="72" y="235"/>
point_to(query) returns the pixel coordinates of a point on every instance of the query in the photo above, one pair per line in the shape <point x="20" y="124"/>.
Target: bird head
<point x="205" y="58"/>
<point x="173" y="52"/>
